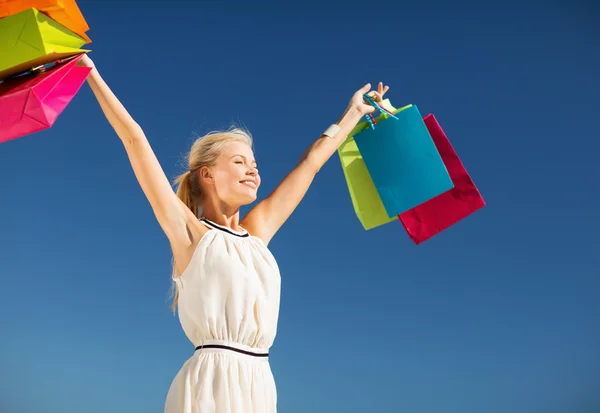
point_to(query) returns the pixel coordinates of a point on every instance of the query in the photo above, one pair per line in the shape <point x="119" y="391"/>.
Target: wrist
<point x="351" y="116"/>
<point x="349" y="119"/>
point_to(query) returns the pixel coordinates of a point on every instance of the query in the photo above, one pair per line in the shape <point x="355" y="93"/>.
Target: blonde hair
<point x="204" y="152"/>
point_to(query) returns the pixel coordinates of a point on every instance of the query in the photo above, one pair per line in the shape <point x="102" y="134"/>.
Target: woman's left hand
<point x="358" y="102"/>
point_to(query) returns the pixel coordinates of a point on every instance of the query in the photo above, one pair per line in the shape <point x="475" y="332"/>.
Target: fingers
<point x="377" y="95"/>
<point x="381" y="89"/>
<point x="360" y="92"/>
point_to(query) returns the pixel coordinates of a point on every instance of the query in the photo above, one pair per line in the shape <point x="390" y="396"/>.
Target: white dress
<point x="228" y="308"/>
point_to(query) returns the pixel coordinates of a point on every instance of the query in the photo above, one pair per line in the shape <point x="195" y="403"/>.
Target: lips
<point x="249" y="183"/>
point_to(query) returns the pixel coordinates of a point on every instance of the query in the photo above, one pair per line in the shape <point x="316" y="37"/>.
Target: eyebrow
<point x="245" y="159"/>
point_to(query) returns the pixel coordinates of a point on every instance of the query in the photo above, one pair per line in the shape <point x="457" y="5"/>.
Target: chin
<point x="250" y="199"/>
<point x="247" y="198"/>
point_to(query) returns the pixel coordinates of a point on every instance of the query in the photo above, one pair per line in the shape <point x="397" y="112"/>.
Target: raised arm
<point x="265" y="219"/>
<point x="171" y="213"/>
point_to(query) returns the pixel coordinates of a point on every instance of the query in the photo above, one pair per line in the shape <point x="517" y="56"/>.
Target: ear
<point x="206" y="174"/>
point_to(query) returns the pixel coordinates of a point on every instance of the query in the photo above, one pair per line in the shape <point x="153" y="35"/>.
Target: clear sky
<point x="500" y="313"/>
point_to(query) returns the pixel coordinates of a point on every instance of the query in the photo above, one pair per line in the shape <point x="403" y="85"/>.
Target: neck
<point x="223" y="215"/>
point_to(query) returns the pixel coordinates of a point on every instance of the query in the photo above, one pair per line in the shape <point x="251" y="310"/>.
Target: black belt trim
<point x="248" y="353"/>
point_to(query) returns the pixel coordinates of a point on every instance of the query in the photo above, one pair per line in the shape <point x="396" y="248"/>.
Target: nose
<point x="253" y="171"/>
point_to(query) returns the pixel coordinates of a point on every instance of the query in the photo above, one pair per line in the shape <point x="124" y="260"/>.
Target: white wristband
<point x="332" y="130"/>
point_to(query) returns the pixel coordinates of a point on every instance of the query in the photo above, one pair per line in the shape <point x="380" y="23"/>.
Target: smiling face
<point x="234" y="178"/>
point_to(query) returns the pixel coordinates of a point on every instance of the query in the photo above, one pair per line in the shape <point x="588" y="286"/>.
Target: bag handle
<point x="381" y="109"/>
<point x="41" y="68"/>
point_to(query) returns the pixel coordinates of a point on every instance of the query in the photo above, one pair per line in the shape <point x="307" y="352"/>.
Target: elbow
<point x="131" y="133"/>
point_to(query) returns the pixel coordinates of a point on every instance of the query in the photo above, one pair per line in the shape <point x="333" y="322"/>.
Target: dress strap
<point x="214" y="225"/>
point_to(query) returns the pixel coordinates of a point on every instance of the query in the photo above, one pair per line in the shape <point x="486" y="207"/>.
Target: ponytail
<point x="188" y="190"/>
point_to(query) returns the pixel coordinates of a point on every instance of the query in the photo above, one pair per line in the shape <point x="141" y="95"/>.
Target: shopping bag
<point x="403" y="162"/>
<point x="32" y="102"/>
<point x="366" y="201"/>
<point x="31" y="39"/>
<point x="439" y="213"/>
<point x="64" y="12"/>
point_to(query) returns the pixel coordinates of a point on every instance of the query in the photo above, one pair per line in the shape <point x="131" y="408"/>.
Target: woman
<point x="227" y="282"/>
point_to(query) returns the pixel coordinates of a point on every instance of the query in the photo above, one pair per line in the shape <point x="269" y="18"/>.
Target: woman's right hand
<point x="85" y="61"/>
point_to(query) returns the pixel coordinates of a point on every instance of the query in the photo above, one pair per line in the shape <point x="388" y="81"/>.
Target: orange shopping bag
<point x="64" y="12"/>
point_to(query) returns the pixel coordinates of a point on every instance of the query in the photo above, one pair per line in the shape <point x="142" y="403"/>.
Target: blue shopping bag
<point x="403" y="161"/>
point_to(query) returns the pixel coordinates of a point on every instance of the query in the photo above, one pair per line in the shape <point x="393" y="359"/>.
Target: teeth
<point x="249" y="183"/>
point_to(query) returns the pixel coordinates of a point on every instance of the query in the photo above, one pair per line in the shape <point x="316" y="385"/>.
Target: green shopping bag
<point x="366" y="201"/>
<point x="30" y="39"/>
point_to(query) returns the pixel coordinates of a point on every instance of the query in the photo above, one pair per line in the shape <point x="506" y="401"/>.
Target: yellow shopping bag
<point x="365" y="199"/>
<point x="64" y="12"/>
<point x="31" y="39"/>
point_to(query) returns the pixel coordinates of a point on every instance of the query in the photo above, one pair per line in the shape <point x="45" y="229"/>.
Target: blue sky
<point x="500" y="313"/>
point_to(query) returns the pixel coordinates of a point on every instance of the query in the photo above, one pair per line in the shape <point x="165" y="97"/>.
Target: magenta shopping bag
<point x="33" y="101"/>
<point x="439" y="213"/>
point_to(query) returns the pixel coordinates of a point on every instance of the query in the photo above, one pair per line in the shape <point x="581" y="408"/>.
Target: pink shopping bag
<point x="31" y="102"/>
<point x="439" y="213"/>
